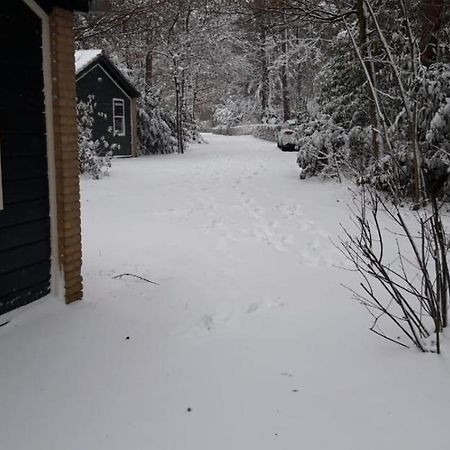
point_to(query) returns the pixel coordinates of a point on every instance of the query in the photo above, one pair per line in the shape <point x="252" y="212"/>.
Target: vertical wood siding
<point x="24" y="222"/>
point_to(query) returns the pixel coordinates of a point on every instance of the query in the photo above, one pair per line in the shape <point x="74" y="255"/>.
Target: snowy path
<point x="247" y="343"/>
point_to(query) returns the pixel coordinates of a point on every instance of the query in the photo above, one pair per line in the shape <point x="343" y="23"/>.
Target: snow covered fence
<point x="239" y="130"/>
<point x="266" y="132"/>
<point x="260" y="131"/>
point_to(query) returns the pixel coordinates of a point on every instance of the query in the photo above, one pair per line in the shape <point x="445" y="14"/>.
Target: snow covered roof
<point x="85" y="57"/>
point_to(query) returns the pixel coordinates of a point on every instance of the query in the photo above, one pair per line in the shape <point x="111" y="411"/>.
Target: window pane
<point x="119" y="117"/>
<point x="118" y="108"/>
<point x="119" y="125"/>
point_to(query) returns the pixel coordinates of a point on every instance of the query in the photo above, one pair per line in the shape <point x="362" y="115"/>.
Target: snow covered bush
<point x="434" y="114"/>
<point x="322" y="147"/>
<point x="439" y="130"/>
<point x="235" y="110"/>
<point x="224" y="130"/>
<point x="394" y="170"/>
<point x="227" y="115"/>
<point x="192" y="133"/>
<point x="156" y="127"/>
<point x="261" y="131"/>
<point x="385" y="173"/>
<point x="340" y="85"/>
<point x="359" y="147"/>
<point x="240" y="130"/>
<point x="94" y="155"/>
<point x="158" y="130"/>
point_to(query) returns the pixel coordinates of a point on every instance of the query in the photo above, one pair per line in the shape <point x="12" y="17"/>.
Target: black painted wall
<point x="97" y="83"/>
<point x="24" y="221"/>
<point x="80" y="5"/>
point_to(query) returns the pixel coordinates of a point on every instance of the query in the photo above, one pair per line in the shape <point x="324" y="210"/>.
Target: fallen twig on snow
<point x="135" y="276"/>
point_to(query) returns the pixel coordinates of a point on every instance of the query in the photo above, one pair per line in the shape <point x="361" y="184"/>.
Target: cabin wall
<point x="25" y="238"/>
<point x="97" y="83"/>
<point x="40" y="234"/>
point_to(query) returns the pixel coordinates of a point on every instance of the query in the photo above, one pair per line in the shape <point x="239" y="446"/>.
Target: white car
<point x="286" y="138"/>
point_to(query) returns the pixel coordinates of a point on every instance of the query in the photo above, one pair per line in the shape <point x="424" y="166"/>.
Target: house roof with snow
<point x="86" y="60"/>
<point x="85" y="57"/>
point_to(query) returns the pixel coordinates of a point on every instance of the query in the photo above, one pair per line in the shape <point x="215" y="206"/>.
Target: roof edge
<point x="124" y="83"/>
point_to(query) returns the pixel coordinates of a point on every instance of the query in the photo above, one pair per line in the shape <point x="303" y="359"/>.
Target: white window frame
<point x="122" y="101"/>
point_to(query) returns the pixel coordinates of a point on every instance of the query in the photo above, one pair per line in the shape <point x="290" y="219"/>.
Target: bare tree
<point x="408" y="287"/>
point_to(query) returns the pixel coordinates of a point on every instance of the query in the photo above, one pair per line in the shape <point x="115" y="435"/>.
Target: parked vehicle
<point x="286" y="137"/>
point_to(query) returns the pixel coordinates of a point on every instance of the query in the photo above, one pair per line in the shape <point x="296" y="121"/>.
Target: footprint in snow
<point x="207" y="321"/>
<point x="253" y="307"/>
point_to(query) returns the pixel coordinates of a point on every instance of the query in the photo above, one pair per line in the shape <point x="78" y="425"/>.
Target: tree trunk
<point x="284" y="78"/>
<point x="364" y="45"/>
<point x="179" y="115"/>
<point x="264" y="96"/>
<point x="183" y="108"/>
<point x="258" y="10"/>
<point x="194" y="97"/>
<point x="148" y="68"/>
<point x="300" y="101"/>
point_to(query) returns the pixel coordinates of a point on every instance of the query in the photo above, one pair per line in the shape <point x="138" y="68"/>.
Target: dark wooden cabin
<point x="114" y="98"/>
<point x="40" y="238"/>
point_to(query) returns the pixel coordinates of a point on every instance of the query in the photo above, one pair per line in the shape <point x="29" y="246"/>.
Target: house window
<point x="118" y="117"/>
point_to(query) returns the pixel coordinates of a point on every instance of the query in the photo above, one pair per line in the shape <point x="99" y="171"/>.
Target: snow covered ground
<point x="248" y="342"/>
